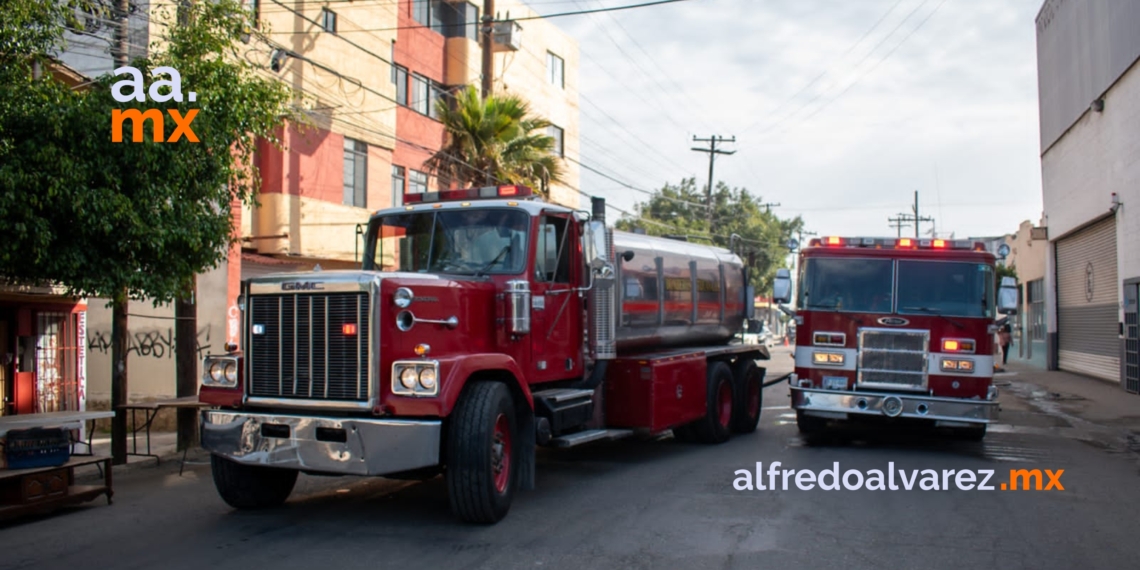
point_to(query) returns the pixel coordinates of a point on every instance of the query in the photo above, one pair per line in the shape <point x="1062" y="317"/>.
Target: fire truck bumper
<point x="345" y="446"/>
<point x="949" y="412"/>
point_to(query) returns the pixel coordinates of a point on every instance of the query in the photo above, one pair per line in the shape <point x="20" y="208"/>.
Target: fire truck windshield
<point x="959" y="289"/>
<point x="846" y="284"/>
<point x="477" y="241"/>
<point x="925" y="287"/>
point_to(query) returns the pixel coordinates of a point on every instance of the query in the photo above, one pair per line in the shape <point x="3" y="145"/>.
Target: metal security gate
<point x="1131" y="367"/>
<point x="1087" y="301"/>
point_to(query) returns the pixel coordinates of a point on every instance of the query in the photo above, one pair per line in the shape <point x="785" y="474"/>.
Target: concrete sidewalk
<point x="1090" y="399"/>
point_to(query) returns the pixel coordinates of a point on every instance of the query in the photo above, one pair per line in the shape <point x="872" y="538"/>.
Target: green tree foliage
<point x="679" y="210"/>
<point x="100" y="217"/>
<point x="494" y="140"/>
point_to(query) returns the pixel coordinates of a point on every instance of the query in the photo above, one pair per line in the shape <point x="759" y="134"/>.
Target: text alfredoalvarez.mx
<point x="134" y="89"/>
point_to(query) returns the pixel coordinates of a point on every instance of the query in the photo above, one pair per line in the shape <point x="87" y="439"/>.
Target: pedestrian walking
<point x="1005" y="338"/>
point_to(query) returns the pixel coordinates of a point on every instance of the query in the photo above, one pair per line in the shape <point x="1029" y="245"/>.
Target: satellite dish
<point x="1003" y="250"/>
<point x="793" y="244"/>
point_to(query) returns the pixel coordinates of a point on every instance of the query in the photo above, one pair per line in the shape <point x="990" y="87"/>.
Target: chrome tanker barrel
<point x="672" y="293"/>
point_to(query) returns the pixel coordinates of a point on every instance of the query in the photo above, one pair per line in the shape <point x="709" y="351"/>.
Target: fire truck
<point x="895" y="330"/>
<point x="483" y="323"/>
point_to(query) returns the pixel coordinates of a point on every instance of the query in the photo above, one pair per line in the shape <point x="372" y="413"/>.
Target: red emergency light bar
<point x="484" y="193"/>
<point x="899" y="243"/>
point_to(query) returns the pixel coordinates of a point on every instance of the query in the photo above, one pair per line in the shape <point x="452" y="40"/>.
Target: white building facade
<point x="1089" y="95"/>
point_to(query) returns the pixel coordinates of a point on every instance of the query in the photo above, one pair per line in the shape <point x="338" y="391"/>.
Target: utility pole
<point x="918" y="219"/>
<point x="488" y="47"/>
<point x="119" y="331"/>
<point x="713" y="151"/>
<point x="769" y="205"/>
<point x="899" y="222"/>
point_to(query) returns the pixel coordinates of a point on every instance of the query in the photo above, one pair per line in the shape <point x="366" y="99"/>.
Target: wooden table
<point x="150" y="411"/>
<point x="24" y="491"/>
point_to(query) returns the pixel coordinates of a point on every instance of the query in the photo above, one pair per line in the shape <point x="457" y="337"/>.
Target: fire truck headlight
<point x="427" y="378"/>
<point x="220" y="372"/>
<point x="403" y="297"/>
<point x="828" y="358"/>
<point x="956" y="365"/>
<point x="408" y="378"/>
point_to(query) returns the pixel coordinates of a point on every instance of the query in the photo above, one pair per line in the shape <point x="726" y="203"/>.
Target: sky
<point x="841" y="109"/>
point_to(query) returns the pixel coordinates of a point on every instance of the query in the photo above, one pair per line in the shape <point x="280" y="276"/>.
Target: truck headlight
<point x="220" y="371"/>
<point x="403" y="297"/>
<point x="408" y="378"/>
<point x="828" y="358"/>
<point x="415" y="378"/>
<point x="427" y="378"/>
<point x="955" y="365"/>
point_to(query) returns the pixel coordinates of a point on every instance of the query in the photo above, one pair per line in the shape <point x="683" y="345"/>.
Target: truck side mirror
<point x="782" y="286"/>
<point x="750" y="302"/>
<point x="1007" y="296"/>
<point x="597" y="254"/>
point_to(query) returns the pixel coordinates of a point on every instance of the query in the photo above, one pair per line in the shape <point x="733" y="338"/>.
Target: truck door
<point x="556" y="330"/>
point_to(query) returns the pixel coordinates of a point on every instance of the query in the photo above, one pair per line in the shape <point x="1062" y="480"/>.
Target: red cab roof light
<point x="483" y="193"/>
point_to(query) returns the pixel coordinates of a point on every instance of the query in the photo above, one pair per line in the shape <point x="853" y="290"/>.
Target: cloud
<point x="950" y="112"/>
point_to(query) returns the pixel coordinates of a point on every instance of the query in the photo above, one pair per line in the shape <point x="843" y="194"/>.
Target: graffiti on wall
<point x="151" y="343"/>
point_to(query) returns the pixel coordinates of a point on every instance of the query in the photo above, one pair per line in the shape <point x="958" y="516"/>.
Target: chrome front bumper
<point x="345" y="446"/>
<point x="837" y="404"/>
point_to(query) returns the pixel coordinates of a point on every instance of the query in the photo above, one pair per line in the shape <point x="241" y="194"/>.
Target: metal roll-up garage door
<point x="1087" y="303"/>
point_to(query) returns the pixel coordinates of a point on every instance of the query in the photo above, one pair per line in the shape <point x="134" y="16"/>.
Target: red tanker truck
<point x="483" y="323"/>
<point x="899" y="330"/>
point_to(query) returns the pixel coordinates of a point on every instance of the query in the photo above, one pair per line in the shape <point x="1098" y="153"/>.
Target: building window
<point x="355" y="173"/>
<point x="421" y="11"/>
<point x="328" y="20"/>
<point x="417" y="182"/>
<point x="554" y="71"/>
<point x="398" y="186"/>
<point x="421" y="94"/>
<point x="556" y="133"/>
<point x="254" y="7"/>
<point x="436" y="93"/>
<point x="400" y="78"/>
<point x="458" y="20"/>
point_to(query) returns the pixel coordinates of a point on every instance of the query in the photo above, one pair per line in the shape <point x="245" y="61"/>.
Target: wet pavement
<point x="655" y="504"/>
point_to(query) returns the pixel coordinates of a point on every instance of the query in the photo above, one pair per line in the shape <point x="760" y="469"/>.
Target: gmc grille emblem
<point x="302" y="286"/>
<point x="894" y="322"/>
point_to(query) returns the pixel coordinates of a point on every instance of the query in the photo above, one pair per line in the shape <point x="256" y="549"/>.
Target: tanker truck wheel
<point x="482" y="453"/>
<point x="749" y="396"/>
<point x="715" y="427"/>
<point x="251" y="486"/>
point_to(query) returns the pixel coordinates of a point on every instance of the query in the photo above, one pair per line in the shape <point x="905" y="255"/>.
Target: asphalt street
<point x="643" y="504"/>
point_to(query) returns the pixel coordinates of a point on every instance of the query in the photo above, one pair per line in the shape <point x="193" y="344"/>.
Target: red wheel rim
<point x="724" y="401"/>
<point x="753" y="397"/>
<point x="501" y="453"/>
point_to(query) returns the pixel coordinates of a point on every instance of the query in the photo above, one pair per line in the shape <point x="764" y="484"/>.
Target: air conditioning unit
<point x="507" y="36"/>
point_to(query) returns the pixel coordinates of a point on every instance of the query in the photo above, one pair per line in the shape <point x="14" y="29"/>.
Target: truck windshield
<point x="849" y="285"/>
<point x="952" y="288"/>
<point x="471" y="241"/>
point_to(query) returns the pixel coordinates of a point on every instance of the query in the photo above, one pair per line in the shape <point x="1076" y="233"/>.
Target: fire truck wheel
<point x="482" y="453"/>
<point x="809" y="426"/>
<point x="251" y="486"/>
<point x="749" y="396"/>
<point x="715" y="427"/>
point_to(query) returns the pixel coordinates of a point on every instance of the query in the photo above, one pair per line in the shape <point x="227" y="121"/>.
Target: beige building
<point x="1027" y="249"/>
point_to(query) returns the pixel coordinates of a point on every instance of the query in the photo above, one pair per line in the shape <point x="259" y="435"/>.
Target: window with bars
<point x="398" y="189"/>
<point x="1035" y="293"/>
<point x="355" y="173"/>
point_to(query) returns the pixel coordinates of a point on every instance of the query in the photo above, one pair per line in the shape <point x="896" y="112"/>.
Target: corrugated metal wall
<point x="1087" y="301"/>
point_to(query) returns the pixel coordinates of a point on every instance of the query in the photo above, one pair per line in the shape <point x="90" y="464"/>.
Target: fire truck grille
<point x="309" y="347"/>
<point x="893" y="358"/>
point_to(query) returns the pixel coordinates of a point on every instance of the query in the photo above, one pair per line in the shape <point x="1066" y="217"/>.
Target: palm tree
<point x="494" y="141"/>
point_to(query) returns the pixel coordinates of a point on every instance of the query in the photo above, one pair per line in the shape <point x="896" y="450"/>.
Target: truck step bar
<point x="588" y="436"/>
<point x="563" y="394"/>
